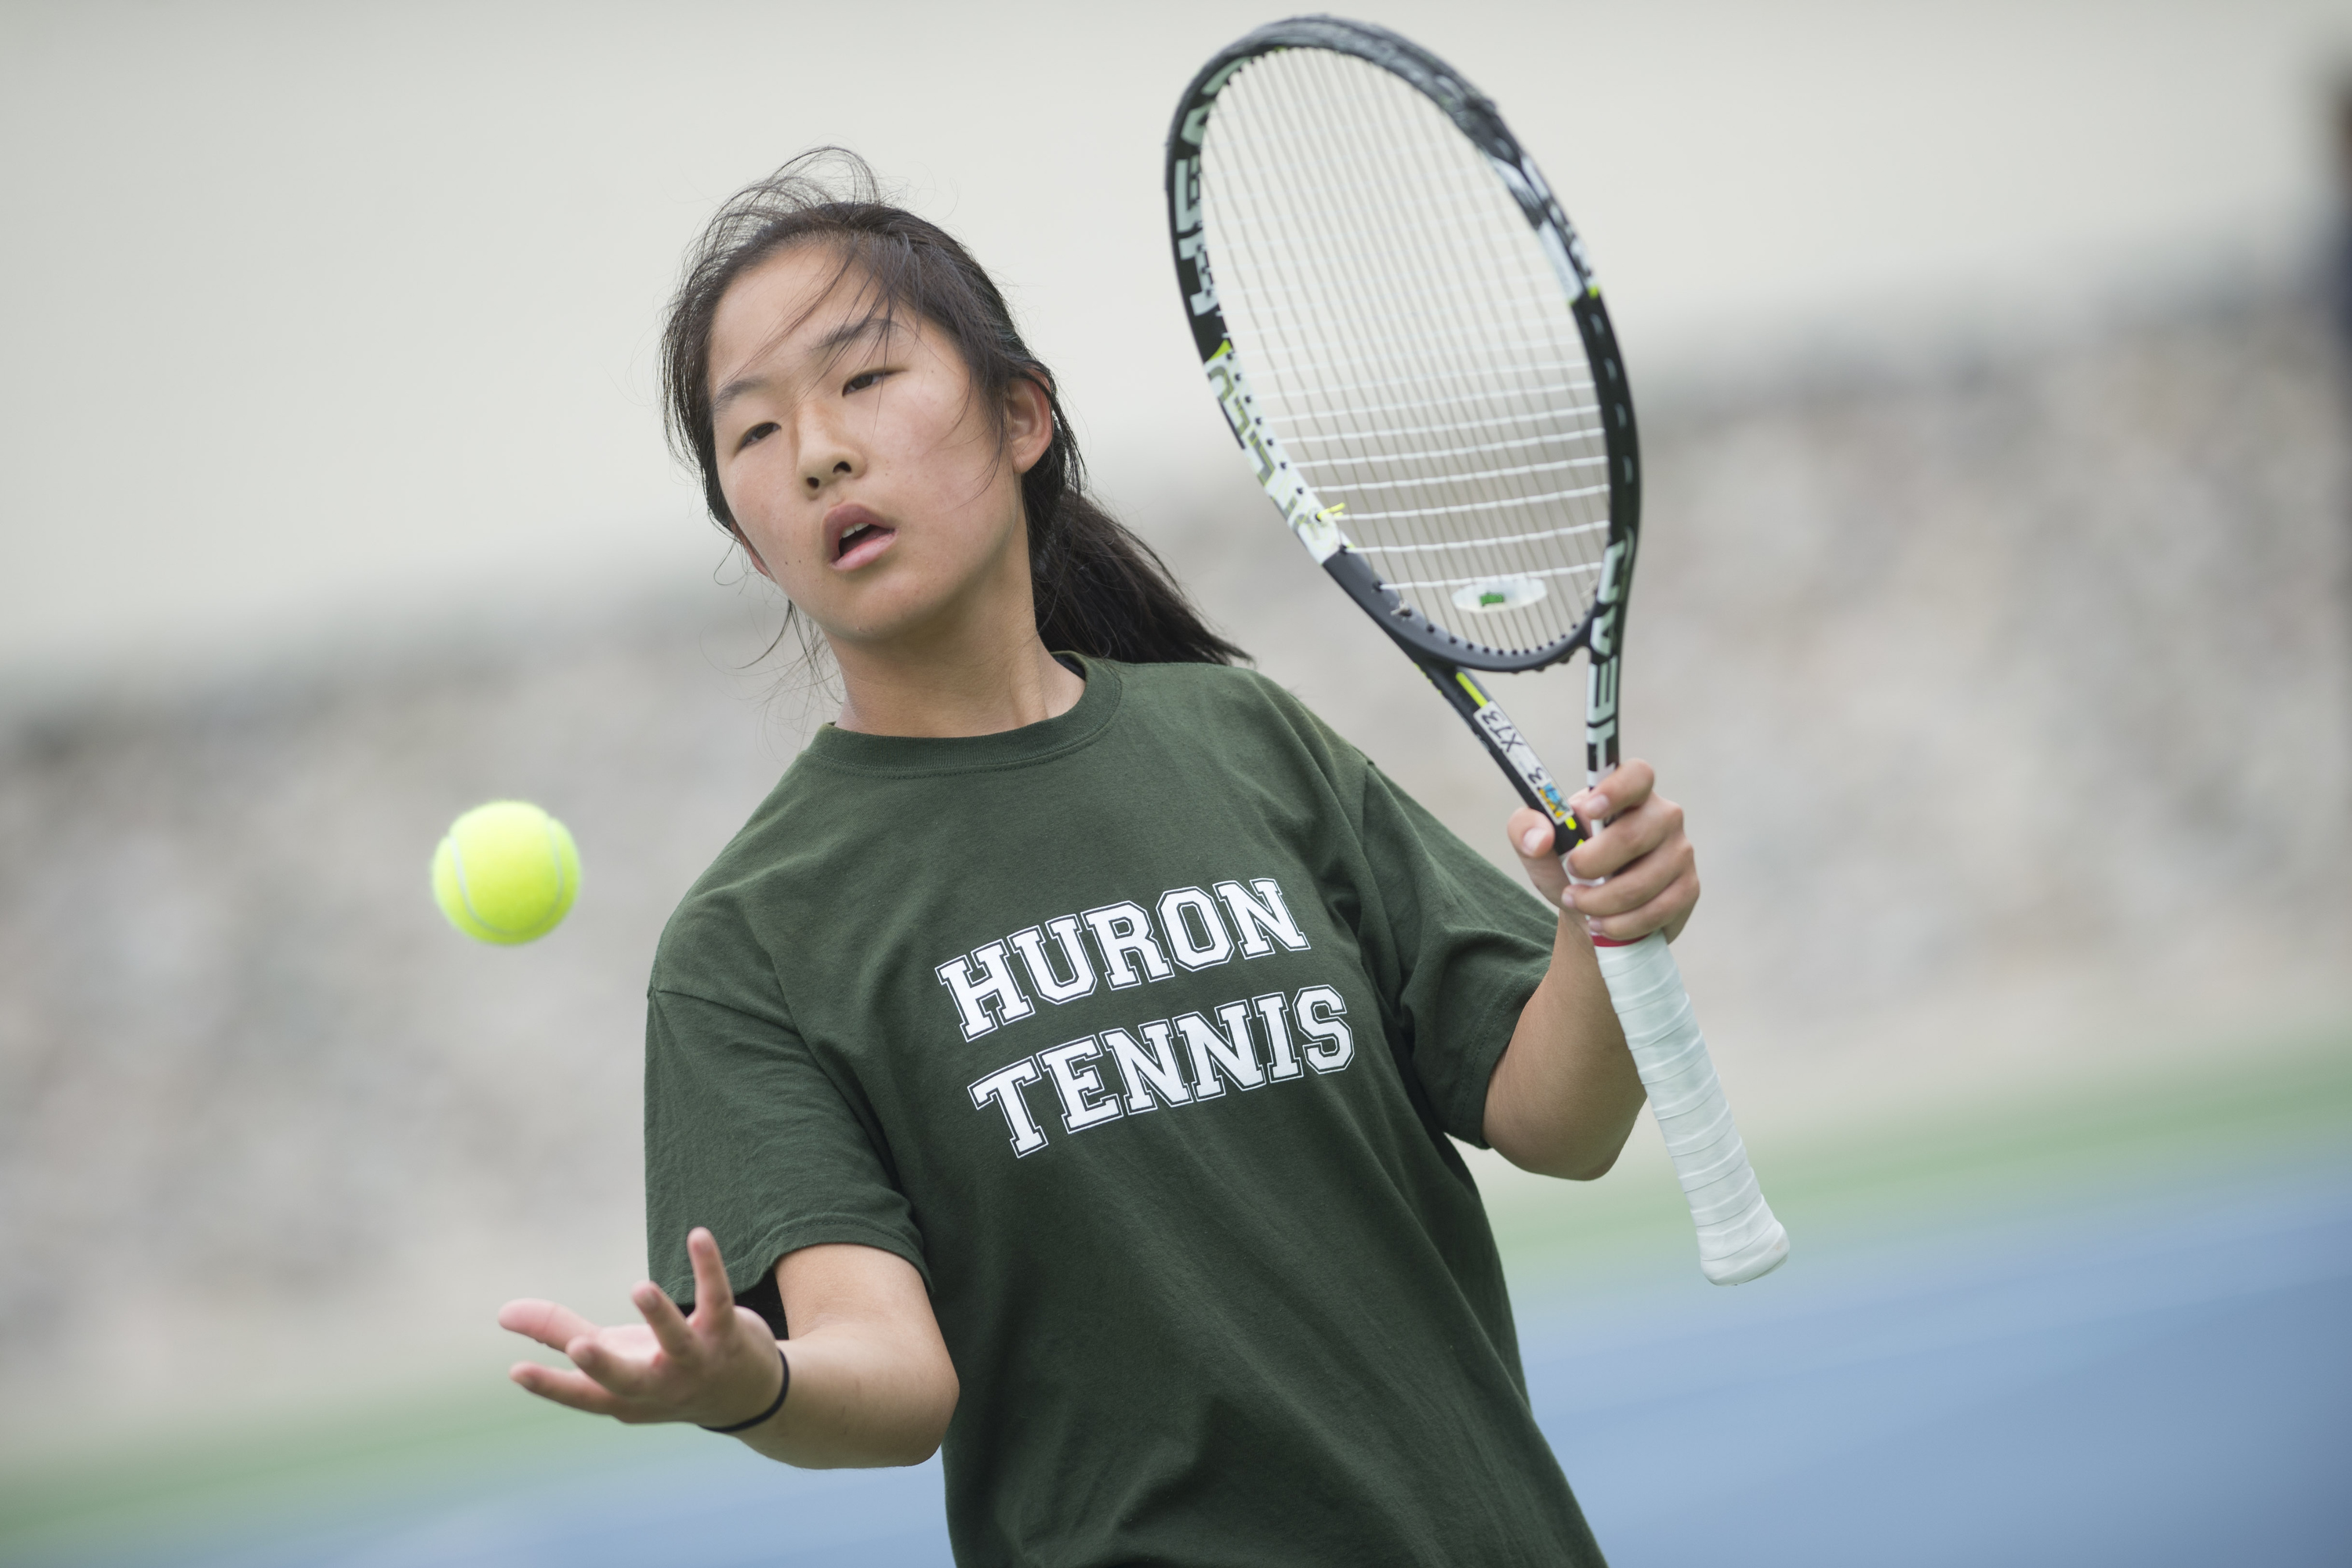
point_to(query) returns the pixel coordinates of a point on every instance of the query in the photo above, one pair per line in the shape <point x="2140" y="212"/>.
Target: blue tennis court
<point x="2165" y="1384"/>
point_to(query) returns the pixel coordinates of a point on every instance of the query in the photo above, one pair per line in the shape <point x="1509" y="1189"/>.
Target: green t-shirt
<point x="1139" y="1033"/>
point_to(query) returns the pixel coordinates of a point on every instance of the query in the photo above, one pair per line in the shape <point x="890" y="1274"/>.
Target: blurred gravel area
<point x="2028" y="677"/>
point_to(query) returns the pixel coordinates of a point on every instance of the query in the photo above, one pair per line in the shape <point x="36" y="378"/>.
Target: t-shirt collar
<point x="903" y="755"/>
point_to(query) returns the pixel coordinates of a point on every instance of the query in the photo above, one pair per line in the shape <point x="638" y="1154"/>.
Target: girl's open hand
<point x="714" y="1368"/>
<point x="1635" y="875"/>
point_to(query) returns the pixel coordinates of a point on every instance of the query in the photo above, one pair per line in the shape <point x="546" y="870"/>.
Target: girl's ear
<point x="1028" y="423"/>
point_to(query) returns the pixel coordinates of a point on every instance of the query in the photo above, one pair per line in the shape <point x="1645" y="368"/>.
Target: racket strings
<point x="1408" y="342"/>
<point x="1442" y="160"/>
<point x="1365" y="344"/>
<point x="1312" y="374"/>
<point x="1397" y="273"/>
<point x="1407" y="166"/>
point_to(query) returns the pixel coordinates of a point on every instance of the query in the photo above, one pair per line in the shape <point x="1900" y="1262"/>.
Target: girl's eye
<point x="757" y="433"/>
<point x="862" y="380"/>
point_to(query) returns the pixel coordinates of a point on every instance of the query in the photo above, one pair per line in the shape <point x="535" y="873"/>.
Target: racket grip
<point x="1738" y="1239"/>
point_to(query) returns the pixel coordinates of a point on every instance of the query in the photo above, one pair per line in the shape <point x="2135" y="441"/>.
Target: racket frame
<point x="1447" y="659"/>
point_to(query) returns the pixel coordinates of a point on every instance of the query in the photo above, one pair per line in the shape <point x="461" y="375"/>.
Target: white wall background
<point x="322" y="321"/>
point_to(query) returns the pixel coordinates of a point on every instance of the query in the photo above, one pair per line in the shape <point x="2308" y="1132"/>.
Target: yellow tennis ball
<point x="507" y="873"/>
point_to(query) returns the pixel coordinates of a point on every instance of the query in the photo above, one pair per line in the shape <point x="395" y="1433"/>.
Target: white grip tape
<point x="1738" y="1239"/>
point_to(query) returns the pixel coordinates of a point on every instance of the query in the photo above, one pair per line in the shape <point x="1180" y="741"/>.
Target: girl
<point x="1060" y="1065"/>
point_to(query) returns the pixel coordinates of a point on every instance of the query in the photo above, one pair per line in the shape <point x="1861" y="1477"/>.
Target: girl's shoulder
<point x="745" y="906"/>
<point x="1234" y="693"/>
<point x="1242" y="708"/>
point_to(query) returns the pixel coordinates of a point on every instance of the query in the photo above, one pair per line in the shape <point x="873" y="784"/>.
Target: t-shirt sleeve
<point x="1457" y="947"/>
<point x="746" y="1132"/>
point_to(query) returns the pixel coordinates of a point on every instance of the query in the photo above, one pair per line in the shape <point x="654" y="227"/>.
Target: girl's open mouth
<point x="856" y="535"/>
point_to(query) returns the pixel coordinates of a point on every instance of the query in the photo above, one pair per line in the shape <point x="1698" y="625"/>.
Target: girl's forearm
<point x="1565" y="1095"/>
<point x="858" y="1398"/>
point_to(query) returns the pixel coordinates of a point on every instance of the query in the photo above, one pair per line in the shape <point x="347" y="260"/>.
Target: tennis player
<point x="1062" y="1065"/>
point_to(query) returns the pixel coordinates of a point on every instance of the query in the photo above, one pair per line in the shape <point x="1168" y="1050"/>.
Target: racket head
<point x="1405" y="335"/>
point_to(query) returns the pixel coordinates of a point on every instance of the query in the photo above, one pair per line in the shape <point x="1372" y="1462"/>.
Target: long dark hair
<point x="1100" y="589"/>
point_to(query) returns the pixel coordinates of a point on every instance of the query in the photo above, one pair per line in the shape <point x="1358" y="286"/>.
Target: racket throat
<point x="1509" y="747"/>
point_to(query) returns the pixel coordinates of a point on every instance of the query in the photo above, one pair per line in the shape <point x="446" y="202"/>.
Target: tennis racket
<point x="1407" y="340"/>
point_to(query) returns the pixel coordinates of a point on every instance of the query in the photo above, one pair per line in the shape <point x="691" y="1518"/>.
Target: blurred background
<point x="1995" y="627"/>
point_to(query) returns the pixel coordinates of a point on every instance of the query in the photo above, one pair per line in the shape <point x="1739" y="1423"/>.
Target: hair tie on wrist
<point x="773" y="1405"/>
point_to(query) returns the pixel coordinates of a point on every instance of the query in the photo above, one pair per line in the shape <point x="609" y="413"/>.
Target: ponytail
<point x="1100" y="591"/>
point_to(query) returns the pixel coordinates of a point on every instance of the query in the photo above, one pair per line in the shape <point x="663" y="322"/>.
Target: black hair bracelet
<point x="773" y="1405"/>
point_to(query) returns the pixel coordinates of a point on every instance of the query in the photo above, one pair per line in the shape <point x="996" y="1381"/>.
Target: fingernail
<point x="1595" y="808"/>
<point x="1536" y="840"/>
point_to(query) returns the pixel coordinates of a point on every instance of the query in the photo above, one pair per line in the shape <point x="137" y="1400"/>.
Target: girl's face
<point x="872" y="486"/>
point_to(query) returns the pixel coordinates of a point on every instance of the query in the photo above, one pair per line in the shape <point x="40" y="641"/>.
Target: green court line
<point x="432" y="1442"/>
<point x="2281" y="1107"/>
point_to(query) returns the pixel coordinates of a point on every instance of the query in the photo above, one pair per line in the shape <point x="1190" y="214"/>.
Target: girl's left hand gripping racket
<point x="1436" y="403"/>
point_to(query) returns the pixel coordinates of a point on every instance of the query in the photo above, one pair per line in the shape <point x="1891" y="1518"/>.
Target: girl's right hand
<point x="715" y="1368"/>
<point x="1636" y="874"/>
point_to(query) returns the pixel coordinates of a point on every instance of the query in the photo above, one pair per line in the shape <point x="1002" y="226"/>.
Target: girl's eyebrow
<point x="824" y="350"/>
<point x="733" y="390"/>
